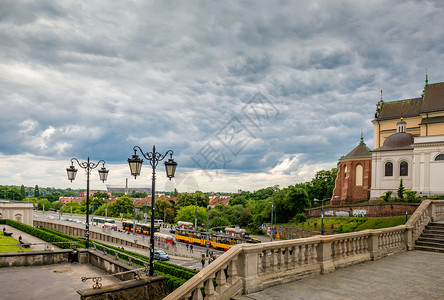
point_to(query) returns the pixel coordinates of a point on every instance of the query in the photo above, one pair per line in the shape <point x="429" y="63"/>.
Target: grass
<point x="350" y="224"/>
<point x="7" y="240"/>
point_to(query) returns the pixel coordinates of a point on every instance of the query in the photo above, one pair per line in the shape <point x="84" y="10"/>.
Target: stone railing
<point x="248" y="268"/>
<point x="428" y="211"/>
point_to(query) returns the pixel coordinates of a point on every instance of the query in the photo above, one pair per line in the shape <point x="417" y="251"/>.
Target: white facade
<point x="17" y="211"/>
<point x="430" y="169"/>
<point x="425" y="171"/>
<point x="382" y="183"/>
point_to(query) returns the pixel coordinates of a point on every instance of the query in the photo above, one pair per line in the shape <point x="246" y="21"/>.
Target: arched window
<point x="345" y="171"/>
<point x="403" y="169"/>
<point x="388" y="169"/>
<point x="439" y="157"/>
<point x="358" y="173"/>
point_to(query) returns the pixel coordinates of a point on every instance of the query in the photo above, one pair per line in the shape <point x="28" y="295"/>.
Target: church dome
<point x="398" y="140"/>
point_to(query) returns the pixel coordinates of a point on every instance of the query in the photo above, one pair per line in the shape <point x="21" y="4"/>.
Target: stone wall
<point x="107" y="263"/>
<point x="152" y="288"/>
<point x="287" y="232"/>
<point x="34" y="258"/>
<point x="372" y="210"/>
<point x="17" y="210"/>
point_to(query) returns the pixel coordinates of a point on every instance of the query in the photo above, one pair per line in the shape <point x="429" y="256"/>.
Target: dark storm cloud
<point x="97" y="78"/>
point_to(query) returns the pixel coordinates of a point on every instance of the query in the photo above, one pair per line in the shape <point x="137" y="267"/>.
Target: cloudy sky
<point x="247" y="94"/>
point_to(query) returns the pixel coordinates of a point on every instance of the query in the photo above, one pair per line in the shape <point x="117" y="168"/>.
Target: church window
<point x="404" y="169"/>
<point x="345" y="171"/>
<point x="388" y="169"/>
<point x="359" y="174"/>
<point x="440" y="157"/>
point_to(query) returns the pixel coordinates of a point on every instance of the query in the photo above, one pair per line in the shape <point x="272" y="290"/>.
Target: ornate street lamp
<point x="135" y="164"/>
<point x="88" y="166"/>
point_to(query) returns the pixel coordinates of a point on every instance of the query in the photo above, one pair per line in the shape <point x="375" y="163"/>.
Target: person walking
<point x="203" y="261"/>
<point x="187" y="247"/>
<point x="191" y="248"/>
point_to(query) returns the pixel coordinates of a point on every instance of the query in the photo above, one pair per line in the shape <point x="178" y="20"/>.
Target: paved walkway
<point x="407" y="275"/>
<point x="26" y="238"/>
<point x="58" y="281"/>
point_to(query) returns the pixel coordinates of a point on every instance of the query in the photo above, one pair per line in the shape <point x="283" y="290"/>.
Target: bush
<point x="410" y="196"/>
<point x="300" y="218"/>
<point x="42" y="234"/>
<point x="386" y="196"/>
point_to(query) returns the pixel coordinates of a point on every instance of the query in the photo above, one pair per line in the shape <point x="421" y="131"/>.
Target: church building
<point x="408" y="145"/>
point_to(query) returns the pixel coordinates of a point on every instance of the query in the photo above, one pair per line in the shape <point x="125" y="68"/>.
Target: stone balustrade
<point x="248" y="268"/>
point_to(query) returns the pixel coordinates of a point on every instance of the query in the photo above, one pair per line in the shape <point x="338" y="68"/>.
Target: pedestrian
<point x="203" y="261"/>
<point x="191" y="248"/>
<point x="210" y="259"/>
<point x="187" y="247"/>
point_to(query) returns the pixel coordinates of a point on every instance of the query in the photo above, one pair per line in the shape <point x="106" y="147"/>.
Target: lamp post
<point x="271" y="226"/>
<point x="195" y="216"/>
<point x="208" y="242"/>
<point x="135" y="164"/>
<point x="322" y="213"/>
<point x="87" y="166"/>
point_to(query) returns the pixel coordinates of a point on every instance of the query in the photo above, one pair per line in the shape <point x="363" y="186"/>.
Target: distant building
<point x="354" y="175"/>
<point x="408" y="146"/>
<point x="17" y="210"/>
<point x="217" y="200"/>
<point x="413" y="150"/>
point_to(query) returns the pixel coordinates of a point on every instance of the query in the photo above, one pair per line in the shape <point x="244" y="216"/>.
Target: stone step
<point x="436" y="224"/>
<point x="441" y="228"/>
<point x="431" y="231"/>
<point x="430" y="239"/>
<point x="432" y="236"/>
<point x="430" y="244"/>
<point x="432" y="249"/>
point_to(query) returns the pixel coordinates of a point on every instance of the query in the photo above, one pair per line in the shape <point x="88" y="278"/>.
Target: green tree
<point x="321" y="187"/>
<point x="122" y="205"/>
<point x="23" y="191"/>
<point x="218" y="222"/>
<point x="36" y="192"/>
<point x="136" y="194"/>
<point x="187" y="214"/>
<point x="401" y="190"/>
<point x="238" y="200"/>
<point x="162" y="208"/>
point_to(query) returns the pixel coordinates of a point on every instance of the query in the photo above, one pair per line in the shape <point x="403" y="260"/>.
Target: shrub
<point x="300" y="218"/>
<point x="386" y="196"/>
<point x="410" y="196"/>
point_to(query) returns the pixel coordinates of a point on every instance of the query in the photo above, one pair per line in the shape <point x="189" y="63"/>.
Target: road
<point x="79" y="221"/>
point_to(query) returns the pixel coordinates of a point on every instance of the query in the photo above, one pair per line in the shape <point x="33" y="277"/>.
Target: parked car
<point x="161" y="255"/>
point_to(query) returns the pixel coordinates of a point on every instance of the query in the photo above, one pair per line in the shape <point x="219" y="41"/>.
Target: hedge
<point x="174" y="275"/>
<point x="42" y="234"/>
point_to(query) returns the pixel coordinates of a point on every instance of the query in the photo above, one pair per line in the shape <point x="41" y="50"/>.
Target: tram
<point x="221" y="241"/>
<point x="142" y="228"/>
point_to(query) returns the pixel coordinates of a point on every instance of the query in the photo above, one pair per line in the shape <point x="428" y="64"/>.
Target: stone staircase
<point x="432" y="238"/>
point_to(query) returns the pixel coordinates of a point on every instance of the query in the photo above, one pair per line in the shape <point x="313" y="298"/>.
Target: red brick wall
<point x="373" y="210"/>
<point x="346" y="190"/>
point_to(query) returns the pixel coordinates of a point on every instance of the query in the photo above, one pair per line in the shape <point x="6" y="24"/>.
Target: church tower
<point x="354" y="175"/>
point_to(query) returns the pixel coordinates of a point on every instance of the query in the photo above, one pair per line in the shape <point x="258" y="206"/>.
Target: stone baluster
<point x="300" y="256"/>
<point x="232" y="271"/>
<point x="306" y="255"/>
<point x="221" y="279"/>
<point x="209" y="288"/>
<point x="259" y="262"/>
<point x="314" y="253"/>
<point x="273" y="263"/>
<point x="287" y="257"/>
<point x="264" y="260"/>
<point x="197" y="295"/>
<point x="279" y="259"/>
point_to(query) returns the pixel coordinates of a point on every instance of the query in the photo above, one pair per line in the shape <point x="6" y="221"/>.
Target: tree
<point x="218" y="222"/>
<point x="321" y="187"/>
<point x="401" y="190"/>
<point x="23" y="191"/>
<point x="36" y="192"/>
<point x="122" y="205"/>
<point x="162" y="206"/>
<point x="187" y="214"/>
<point x="238" y="200"/>
<point x="136" y="194"/>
